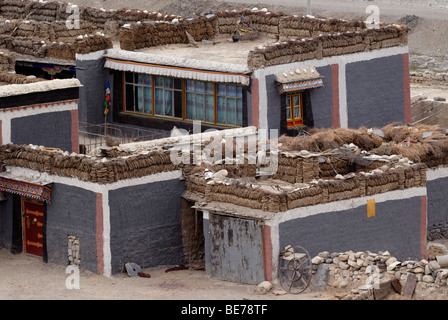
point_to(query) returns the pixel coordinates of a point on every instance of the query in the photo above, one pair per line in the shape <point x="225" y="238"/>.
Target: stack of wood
<point x="7" y="61"/>
<point x="42" y="11"/>
<point x="84" y="167"/>
<point x="143" y="35"/>
<point x="64" y="34"/>
<point x="81" y="45"/>
<point x="296" y="169"/>
<point x="13" y="9"/>
<point x="13" y="78"/>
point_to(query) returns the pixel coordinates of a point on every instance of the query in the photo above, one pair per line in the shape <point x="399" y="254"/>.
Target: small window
<point x="199" y="101"/>
<point x="167" y="97"/>
<point x="229" y="104"/>
<point x="138" y="92"/>
<point x="294" y="110"/>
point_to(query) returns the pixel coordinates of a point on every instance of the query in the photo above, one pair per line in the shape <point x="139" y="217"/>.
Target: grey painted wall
<point x="274" y="103"/>
<point x="93" y="76"/>
<point x="6" y="222"/>
<point x="395" y="227"/>
<point x="48" y="129"/>
<point x="322" y="99"/>
<point x="72" y="212"/>
<point x="375" y="92"/>
<point x="146" y="224"/>
<point x="437" y="193"/>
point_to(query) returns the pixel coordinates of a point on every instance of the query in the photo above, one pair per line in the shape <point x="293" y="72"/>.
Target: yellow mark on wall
<point x="370" y="208"/>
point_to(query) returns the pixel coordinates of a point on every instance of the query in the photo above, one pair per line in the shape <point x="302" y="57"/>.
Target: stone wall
<point x="373" y="275"/>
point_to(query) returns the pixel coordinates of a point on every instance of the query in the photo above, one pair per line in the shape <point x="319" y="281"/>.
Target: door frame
<point x="23" y="200"/>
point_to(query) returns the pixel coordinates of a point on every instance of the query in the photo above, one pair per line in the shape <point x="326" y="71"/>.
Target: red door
<point x="33" y="222"/>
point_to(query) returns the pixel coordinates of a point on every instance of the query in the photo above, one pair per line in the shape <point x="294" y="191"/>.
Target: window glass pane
<point x="129" y="97"/>
<point x="297" y="112"/>
<point x="168" y="103"/>
<point x="177" y="83"/>
<point x="296" y="100"/>
<point x="148" y="100"/>
<point x="143" y="79"/>
<point x="158" y="101"/>
<point x="168" y="82"/>
<point x="239" y="92"/>
<point x="190" y="106"/>
<point x="221" y="110"/>
<point x="200" y="86"/>
<point x="231" y="91"/>
<point x="178" y="104"/>
<point x="209" y="87"/>
<point x="190" y="85"/>
<point x="231" y="111"/>
<point x="158" y="81"/>
<point x="239" y="112"/>
<point x="288" y="101"/>
<point x="200" y="107"/>
<point x="129" y="77"/>
<point x="139" y="98"/>
<point x="221" y="89"/>
<point x="209" y="109"/>
<point x="288" y="113"/>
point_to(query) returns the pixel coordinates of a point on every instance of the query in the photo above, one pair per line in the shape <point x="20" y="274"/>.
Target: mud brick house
<point x="132" y="203"/>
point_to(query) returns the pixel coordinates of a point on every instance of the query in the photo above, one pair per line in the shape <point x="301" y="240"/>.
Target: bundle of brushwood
<point x="295" y="50"/>
<point x="13" y="9"/>
<point x="33" y="29"/>
<point x="339" y="189"/>
<point x="13" y="78"/>
<point x="308" y="196"/>
<point x="7" y="61"/>
<point x="24" y="45"/>
<point x="296" y="169"/>
<point x="144" y="35"/>
<point x="85" y="167"/>
<point x="246" y="195"/>
<point x="64" y="34"/>
<point x="42" y="11"/>
<point x="81" y="45"/>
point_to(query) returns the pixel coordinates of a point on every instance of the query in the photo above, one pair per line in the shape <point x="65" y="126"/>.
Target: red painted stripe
<point x="1" y="136"/>
<point x="99" y="234"/>
<point x="255" y="102"/>
<point x="75" y="128"/>
<point x="423" y="228"/>
<point x="407" y="89"/>
<point x="267" y="253"/>
<point x="335" y="117"/>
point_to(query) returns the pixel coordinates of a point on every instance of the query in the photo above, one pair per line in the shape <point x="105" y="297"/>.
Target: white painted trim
<point x="341" y="60"/>
<point x="41" y="86"/>
<point x="10" y="114"/>
<point x="436" y="173"/>
<point x="107" y="254"/>
<point x="91" y="56"/>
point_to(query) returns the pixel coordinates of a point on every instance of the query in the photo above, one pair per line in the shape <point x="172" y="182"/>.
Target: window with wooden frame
<point x="294" y="109"/>
<point x="209" y="102"/>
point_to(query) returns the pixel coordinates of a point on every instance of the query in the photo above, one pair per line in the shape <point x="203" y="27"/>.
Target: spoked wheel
<point x="295" y="269"/>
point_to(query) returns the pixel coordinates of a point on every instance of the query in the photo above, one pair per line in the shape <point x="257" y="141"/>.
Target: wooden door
<point x="236" y="250"/>
<point x="33" y="222"/>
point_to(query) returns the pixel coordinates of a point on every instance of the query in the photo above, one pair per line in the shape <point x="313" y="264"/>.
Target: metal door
<point x="236" y="249"/>
<point x="33" y="221"/>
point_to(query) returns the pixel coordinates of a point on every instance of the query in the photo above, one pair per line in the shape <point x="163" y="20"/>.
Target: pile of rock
<point x="378" y="273"/>
<point x="73" y="250"/>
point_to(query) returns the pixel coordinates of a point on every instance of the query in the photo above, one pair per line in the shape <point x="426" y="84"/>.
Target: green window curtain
<point x="221" y="110"/>
<point x="168" y="103"/>
<point x="239" y="112"/>
<point x="139" y="98"/>
<point x="200" y="113"/>
<point x="189" y="106"/>
<point x="158" y="101"/>
<point x="148" y="100"/>
<point x="231" y="111"/>
<point x="209" y="108"/>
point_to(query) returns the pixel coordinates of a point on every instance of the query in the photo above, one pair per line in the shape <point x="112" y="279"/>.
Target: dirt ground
<point x="26" y="277"/>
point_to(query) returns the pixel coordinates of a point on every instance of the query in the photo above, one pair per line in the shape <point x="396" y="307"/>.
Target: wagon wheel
<point x="295" y="269"/>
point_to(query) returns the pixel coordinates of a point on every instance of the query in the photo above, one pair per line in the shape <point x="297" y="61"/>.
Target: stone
<point x="390" y="261"/>
<point x="393" y="265"/>
<point x="343" y="266"/>
<point x="396" y="285"/>
<point x="433" y="265"/>
<point x="409" y="286"/>
<point x="343" y="257"/>
<point x="343" y="284"/>
<point x="132" y="269"/>
<point x="317" y="260"/>
<point x="418" y="270"/>
<point x="381" y="290"/>
<point x="428" y="279"/>
<point x="320" y="279"/>
<point x="264" y="287"/>
<point x="324" y="254"/>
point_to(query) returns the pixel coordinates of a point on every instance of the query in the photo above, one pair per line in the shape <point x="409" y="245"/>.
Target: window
<point x="210" y="102"/>
<point x="138" y="92"/>
<point x="200" y="101"/>
<point x="294" y="110"/>
<point x="229" y="104"/>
